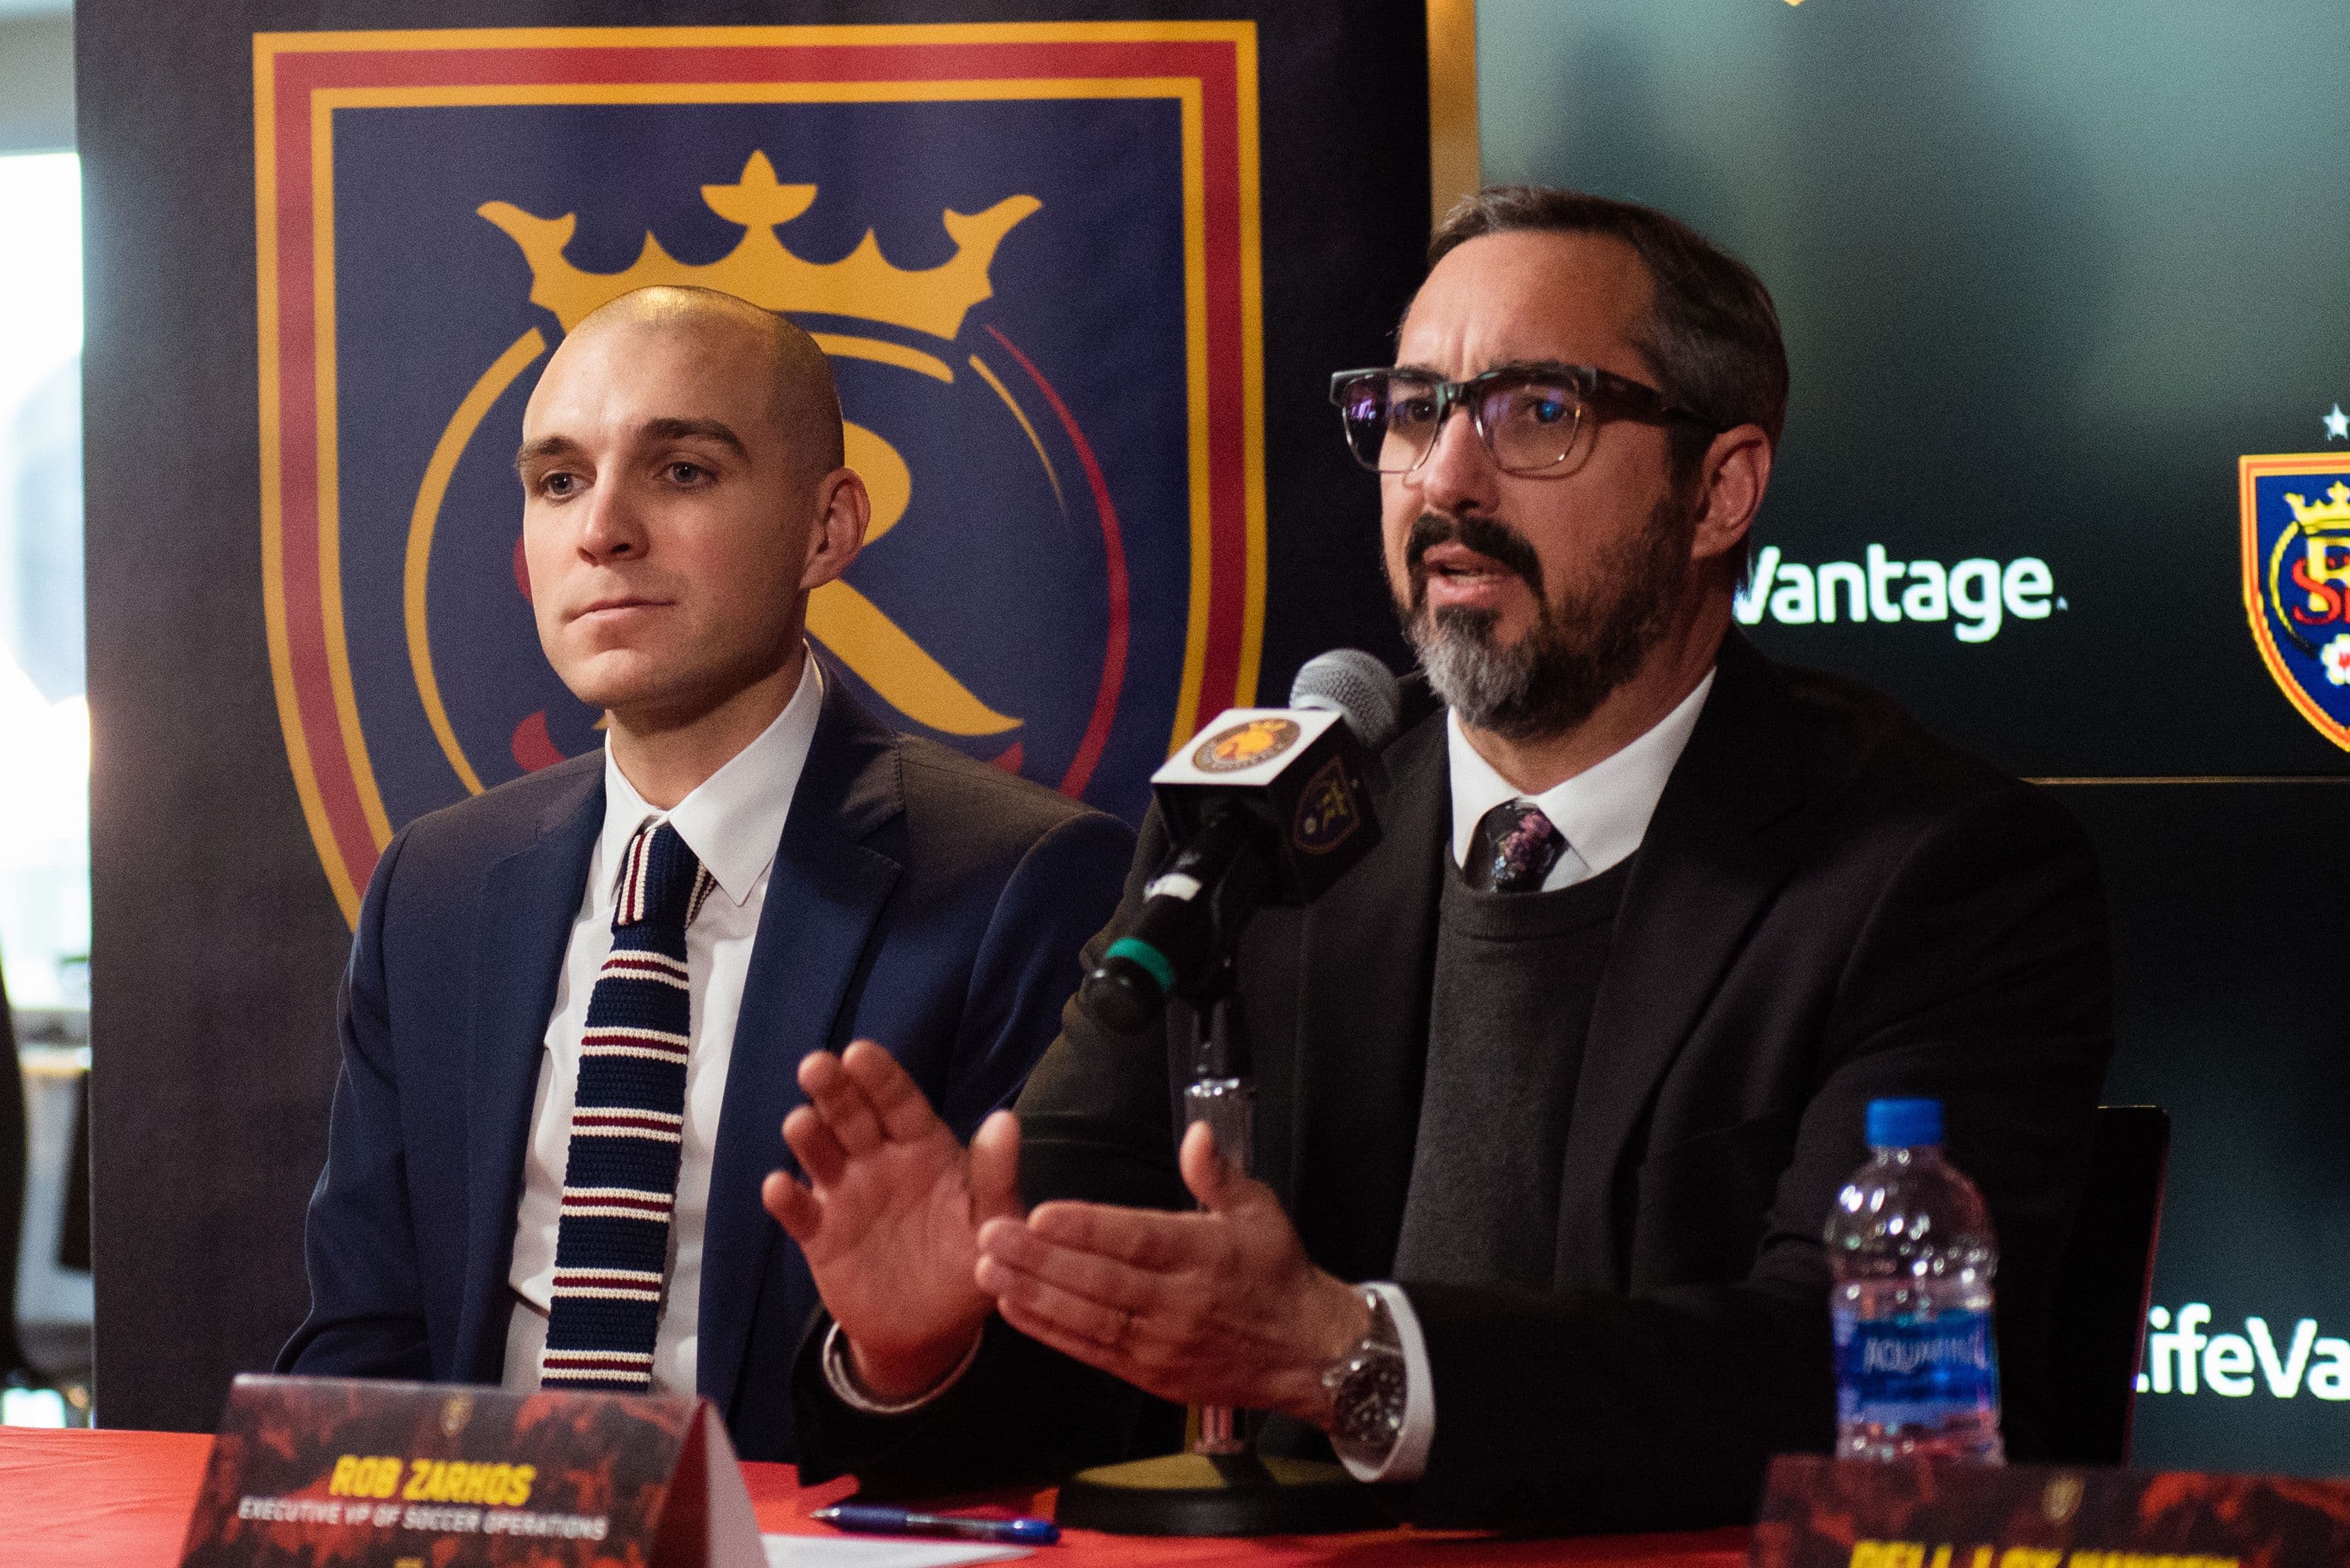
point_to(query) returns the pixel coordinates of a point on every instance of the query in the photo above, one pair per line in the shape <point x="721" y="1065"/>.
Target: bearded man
<point x="1558" y="1088"/>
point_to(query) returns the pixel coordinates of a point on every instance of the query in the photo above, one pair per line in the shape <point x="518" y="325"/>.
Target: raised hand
<point x="1216" y="1307"/>
<point x="890" y="1215"/>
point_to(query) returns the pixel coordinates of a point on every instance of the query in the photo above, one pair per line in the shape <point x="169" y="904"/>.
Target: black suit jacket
<point x="917" y="897"/>
<point x="1830" y="905"/>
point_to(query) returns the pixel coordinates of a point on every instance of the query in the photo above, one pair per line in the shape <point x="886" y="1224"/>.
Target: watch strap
<point x="1368" y="1390"/>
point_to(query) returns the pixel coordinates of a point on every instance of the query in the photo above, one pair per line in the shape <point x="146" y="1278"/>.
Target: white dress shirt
<point x="1602" y="811"/>
<point x="731" y="823"/>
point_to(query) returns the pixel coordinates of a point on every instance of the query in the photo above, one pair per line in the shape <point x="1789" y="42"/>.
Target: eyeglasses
<point x="1528" y="416"/>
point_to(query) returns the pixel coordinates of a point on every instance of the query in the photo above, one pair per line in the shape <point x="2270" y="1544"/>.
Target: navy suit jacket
<point x="919" y="898"/>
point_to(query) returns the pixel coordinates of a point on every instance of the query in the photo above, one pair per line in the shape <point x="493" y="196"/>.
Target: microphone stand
<point x="1223" y="1094"/>
<point x="1221" y="1485"/>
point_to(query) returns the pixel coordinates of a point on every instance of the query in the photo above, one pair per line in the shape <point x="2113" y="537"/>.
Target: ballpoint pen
<point x="871" y="1519"/>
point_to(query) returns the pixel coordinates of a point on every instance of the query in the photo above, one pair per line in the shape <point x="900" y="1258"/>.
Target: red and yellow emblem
<point x="1245" y="744"/>
<point x="2296" y="564"/>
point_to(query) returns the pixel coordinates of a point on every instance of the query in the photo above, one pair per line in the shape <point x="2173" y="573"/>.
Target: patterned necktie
<point x="620" y="1178"/>
<point x="1513" y="849"/>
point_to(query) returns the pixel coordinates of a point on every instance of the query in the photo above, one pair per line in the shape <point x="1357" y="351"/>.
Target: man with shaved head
<point x="577" y="1004"/>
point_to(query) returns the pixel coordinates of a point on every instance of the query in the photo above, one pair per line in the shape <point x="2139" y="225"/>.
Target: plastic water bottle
<point x="1913" y="1253"/>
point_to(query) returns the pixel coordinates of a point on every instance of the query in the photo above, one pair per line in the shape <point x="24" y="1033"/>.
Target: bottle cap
<point x="1904" y="1124"/>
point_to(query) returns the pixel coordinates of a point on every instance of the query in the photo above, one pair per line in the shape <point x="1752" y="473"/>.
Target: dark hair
<point x="1713" y="334"/>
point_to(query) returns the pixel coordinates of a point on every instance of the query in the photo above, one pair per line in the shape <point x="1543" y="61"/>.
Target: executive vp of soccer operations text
<point x="1557" y="1086"/>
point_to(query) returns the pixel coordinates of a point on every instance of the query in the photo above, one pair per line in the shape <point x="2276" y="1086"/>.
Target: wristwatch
<point x="1366" y="1387"/>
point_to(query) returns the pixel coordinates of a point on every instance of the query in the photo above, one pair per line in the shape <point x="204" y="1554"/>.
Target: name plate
<point x="348" y="1471"/>
<point x="1821" y="1514"/>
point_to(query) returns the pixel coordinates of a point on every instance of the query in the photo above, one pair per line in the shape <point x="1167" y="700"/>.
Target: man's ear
<point x="842" y="511"/>
<point x="1730" y="482"/>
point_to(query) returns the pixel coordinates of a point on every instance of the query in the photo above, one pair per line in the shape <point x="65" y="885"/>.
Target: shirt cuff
<point x="1408" y="1459"/>
<point x="843" y="1379"/>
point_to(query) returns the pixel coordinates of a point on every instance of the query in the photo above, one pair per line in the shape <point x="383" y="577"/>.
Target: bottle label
<point x="1894" y="1372"/>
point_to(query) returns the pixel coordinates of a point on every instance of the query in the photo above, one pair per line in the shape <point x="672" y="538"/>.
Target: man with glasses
<point x="1558" y="1085"/>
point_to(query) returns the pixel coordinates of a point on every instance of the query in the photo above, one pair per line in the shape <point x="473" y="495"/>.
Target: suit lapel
<point x="1726" y="833"/>
<point x="823" y="896"/>
<point x="530" y="900"/>
<point x="1363" y="982"/>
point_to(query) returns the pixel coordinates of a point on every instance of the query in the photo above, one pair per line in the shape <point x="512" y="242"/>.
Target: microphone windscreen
<point x="1349" y="681"/>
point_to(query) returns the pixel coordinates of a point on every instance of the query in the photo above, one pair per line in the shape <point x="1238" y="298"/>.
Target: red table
<point x="121" y="1500"/>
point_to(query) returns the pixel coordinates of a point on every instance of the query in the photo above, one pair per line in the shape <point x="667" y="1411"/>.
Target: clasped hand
<point x="914" y="1240"/>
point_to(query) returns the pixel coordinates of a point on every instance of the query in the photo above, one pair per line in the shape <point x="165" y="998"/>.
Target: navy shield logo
<point x="1030" y="252"/>
<point x="2296" y="565"/>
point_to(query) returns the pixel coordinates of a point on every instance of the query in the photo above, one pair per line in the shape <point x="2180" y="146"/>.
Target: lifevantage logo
<point x="1977" y="596"/>
<point x="2184" y="1360"/>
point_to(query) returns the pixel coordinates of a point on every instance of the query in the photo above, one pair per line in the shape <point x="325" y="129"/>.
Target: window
<point x="44" y="715"/>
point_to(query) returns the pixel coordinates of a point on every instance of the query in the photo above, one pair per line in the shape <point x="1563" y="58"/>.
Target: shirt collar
<point x="734" y="818"/>
<point x="1602" y="811"/>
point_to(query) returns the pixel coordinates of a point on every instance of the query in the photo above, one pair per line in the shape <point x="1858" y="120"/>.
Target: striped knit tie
<point x="619" y="1179"/>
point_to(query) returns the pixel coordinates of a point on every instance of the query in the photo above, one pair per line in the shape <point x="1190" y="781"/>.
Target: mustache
<point x="1489" y="536"/>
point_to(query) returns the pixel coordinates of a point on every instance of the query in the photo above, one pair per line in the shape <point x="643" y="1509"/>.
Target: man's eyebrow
<point x="543" y="447"/>
<point x="1539" y="366"/>
<point x="708" y="430"/>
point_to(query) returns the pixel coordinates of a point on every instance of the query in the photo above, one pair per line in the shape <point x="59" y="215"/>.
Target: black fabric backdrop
<point x="2046" y="273"/>
<point x="216" y="939"/>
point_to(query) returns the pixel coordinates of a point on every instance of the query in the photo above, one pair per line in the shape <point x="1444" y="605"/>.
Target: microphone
<point x="1356" y="685"/>
<point x="1266" y="806"/>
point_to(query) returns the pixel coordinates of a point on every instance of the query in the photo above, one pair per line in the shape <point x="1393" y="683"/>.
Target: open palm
<point x="890" y="1214"/>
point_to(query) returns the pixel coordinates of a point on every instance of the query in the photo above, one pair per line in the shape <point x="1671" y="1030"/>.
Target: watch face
<point x="1369" y="1406"/>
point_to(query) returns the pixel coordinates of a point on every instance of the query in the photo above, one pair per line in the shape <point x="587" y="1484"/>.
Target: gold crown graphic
<point x="2331" y="517"/>
<point x="862" y="284"/>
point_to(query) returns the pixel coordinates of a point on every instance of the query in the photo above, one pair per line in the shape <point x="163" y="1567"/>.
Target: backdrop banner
<point x="1082" y="273"/>
<point x="2067" y="471"/>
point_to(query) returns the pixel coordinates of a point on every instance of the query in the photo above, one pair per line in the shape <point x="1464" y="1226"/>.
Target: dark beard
<point x="1580" y="647"/>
